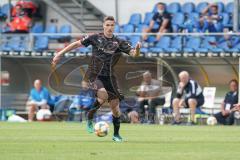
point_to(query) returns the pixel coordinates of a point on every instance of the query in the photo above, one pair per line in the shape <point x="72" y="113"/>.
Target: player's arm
<point x="70" y="47"/>
<point x="136" y="51"/>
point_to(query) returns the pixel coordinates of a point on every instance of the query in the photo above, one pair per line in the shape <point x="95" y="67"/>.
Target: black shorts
<point x="108" y="82"/>
<point x="200" y="101"/>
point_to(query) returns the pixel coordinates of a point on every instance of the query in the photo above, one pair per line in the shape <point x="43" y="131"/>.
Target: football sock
<point x="116" y="125"/>
<point x="93" y="110"/>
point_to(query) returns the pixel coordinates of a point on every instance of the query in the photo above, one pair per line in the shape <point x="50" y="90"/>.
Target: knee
<point x="192" y="102"/>
<point x="176" y="102"/>
<point x="102" y="95"/>
<point x="116" y="111"/>
<point x="32" y="108"/>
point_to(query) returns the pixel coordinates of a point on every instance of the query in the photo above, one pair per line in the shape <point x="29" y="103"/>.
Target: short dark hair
<point x="215" y="6"/>
<point x="108" y="18"/>
<point x="234" y="81"/>
<point x="161" y="3"/>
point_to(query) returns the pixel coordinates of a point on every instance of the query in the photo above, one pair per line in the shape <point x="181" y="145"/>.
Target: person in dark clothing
<point x="107" y="49"/>
<point x="163" y="20"/>
<point x="228" y="107"/>
<point x="193" y="97"/>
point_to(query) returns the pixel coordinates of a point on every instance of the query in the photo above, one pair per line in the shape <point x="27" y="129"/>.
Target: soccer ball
<point x="211" y="121"/>
<point x="44" y="115"/>
<point x="101" y="129"/>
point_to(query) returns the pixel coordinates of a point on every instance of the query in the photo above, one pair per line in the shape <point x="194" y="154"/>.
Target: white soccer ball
<point x="44" y="115"/>
<point x="211" y="121"/>
<point x="101" y="129"/>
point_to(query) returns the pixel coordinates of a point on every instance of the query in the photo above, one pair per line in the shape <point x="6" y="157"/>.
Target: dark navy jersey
<point x="191" y="90"/>
<point x="105" y="53"/>
<point x="231" y="98"/>
<point x="158" y="18"/>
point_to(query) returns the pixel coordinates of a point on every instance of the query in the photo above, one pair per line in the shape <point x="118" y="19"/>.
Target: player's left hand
<point x="137" y="49"/>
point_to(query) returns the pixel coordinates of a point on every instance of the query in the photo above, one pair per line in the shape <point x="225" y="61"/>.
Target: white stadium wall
<point x="128" y="7"/>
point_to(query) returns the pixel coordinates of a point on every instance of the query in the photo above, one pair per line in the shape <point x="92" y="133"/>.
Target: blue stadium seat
<point x="221" y="7"/>
<point x="148" y="18"/>
<point x="210" y="42"/>
<point x="65" y="29"/>
<point x="229" y="8"/>
<point x="5" y="47"/>
<point x="226" y="20"/>
<point x="176" y="44"/>
<point x="178" y="21"/>
<point x="174" y="7"/>
<point x="52" y="29"/>
<point x="140" y="28"/>
<point x="41" y="43"/>
<point x="14" y="43"/>
<point x="135" y="19"/>
<point x="151" y="39"/>
<point x="127" y="28"/>
<point x="134" y="40"/>
<point x="154" y="9"/>
<point x="191" y="21"/>
<point x="117" y="28"/>
<point x="84" y="49"/>
<point x="5" y="9"/>
<point x="201" y="6"/>
<point x="230" y="45"/>
<point x="188" y="7"/>
<point x="192" y="44"/>
<point x="163" y="45"/>
<point x="37" y="28"/>
<point x="1" y="14"/>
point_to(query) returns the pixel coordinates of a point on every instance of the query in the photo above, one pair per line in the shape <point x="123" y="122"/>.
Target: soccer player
<point x="107" y="49"/>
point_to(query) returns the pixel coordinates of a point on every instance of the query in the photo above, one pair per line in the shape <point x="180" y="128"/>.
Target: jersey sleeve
<point x="88" y="40"/>
<point x="155" y="16"/>
<point x="124" y="46"/>
<point x="167" y="16"/>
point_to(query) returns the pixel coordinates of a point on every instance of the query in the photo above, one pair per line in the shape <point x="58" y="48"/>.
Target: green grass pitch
<point x="69" y="141"/>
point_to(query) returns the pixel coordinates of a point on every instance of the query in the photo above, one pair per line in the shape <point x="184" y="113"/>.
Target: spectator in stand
<point x="162" y="19"/>
<point x="210" y="20"/>
<point x="28" y="7"/>
<point x="17" y="11"/>
<point x="148" y="94"/>
<point x="39" y="99"/>
<point x="20" y="24"/>
<point x="193" y="97"/>
<point x="228" y="107"/>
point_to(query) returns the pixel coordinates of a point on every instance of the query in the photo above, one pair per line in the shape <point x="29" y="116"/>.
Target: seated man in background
<point x="193" y="97"/>
<point x="163" y="20"/>
<point x="39" y="99"/>
<point x="226" y="116"/>
<point x="210" y="20"/>
<point x="148" y="94"/>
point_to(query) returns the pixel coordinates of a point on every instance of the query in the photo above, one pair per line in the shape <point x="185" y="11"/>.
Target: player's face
<point x="108" y="27"/>
<point x="160" y="7"/>
<point x="233" y="86"/>
<point x="147" y="79"/>
<point x="184" y="79"/>
<point x="37" y="85"/>
<point x="214" y="9"/>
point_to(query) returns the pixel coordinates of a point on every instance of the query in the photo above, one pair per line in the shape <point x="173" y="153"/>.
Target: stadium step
<point x="84" y="13"/>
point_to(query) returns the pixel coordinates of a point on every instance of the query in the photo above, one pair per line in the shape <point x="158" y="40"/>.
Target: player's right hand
<point x="56" y="59"/>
